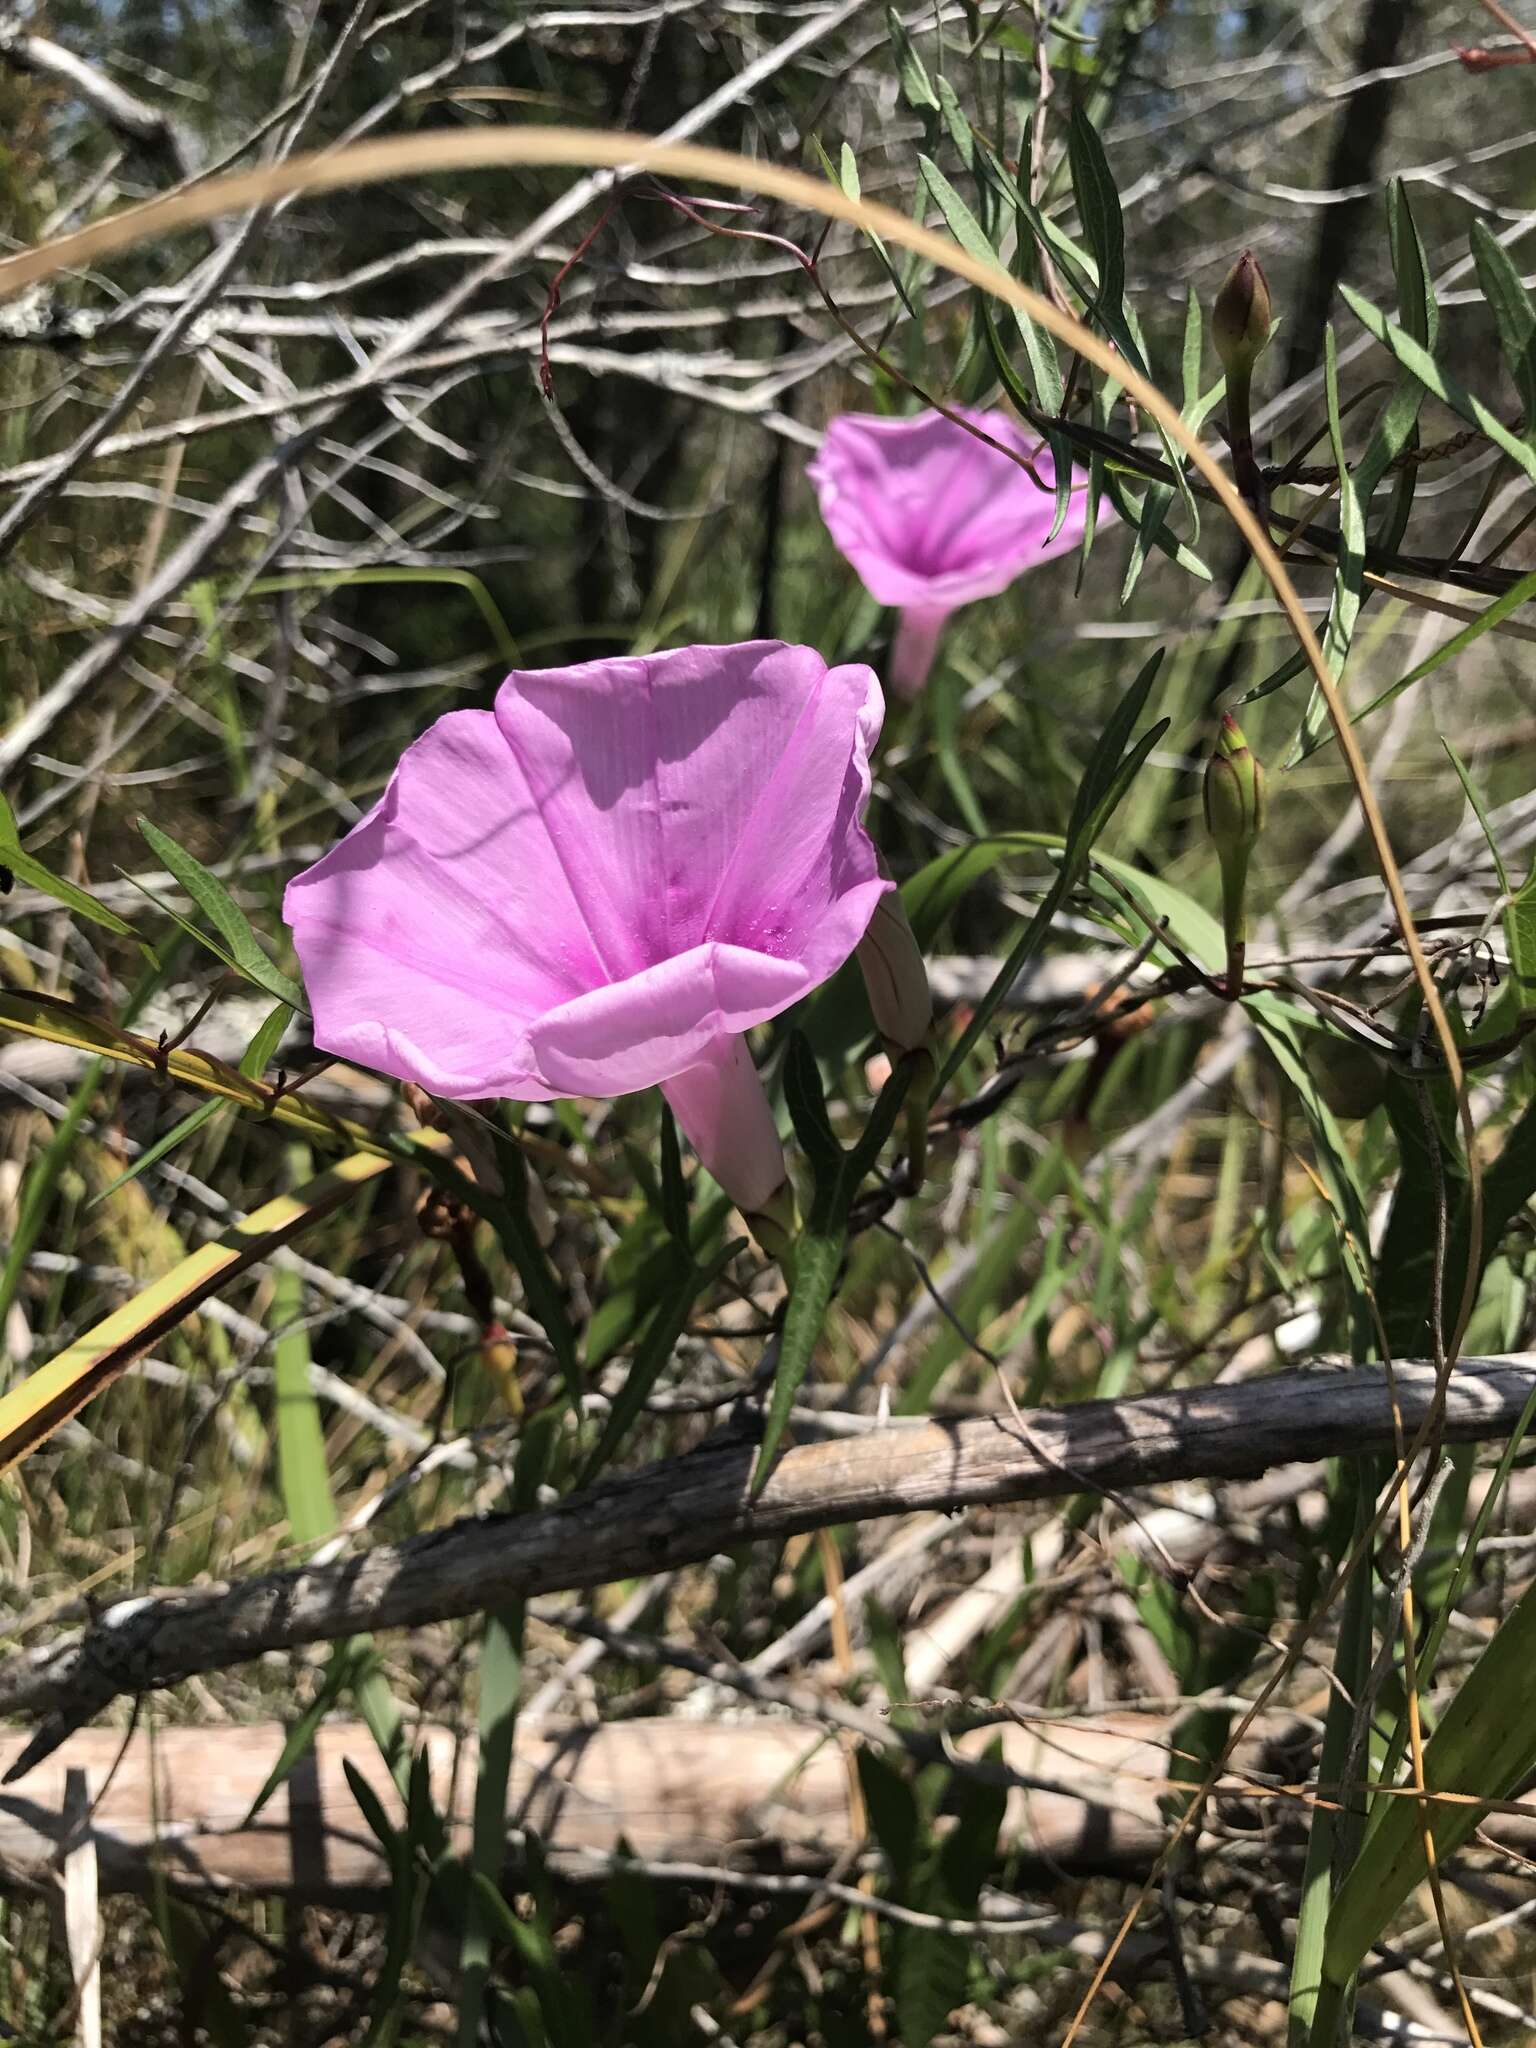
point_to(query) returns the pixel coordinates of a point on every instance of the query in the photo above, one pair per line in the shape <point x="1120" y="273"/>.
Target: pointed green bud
<point x="1234" y="792"/>
<point x="895" y="977"/>
<point x="1234" y="818"/>
<point x="1240" y="318"/>
<point x="1350" y="1077"/>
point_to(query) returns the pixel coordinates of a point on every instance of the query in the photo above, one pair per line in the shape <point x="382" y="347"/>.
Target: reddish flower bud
<point x="1240" y="318"/>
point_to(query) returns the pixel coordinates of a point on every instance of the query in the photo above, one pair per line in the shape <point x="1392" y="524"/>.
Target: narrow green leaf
<point x="655" y="1349"/>
<point x="1469" y="790"/>
<point x="1326" y="1852"/>
<point x="339" y="1673"/>
<point x="501" y="1675"/>
<point x="958" y="217"/>
<point x="1110" y="772"/>
<point x="818" y="1251"/>
<point x="1099" y="203"/>
<point x="911" y="74"/>
<point x="510" y="1217"/>
<point x="302" y="1471"/>
<point x="807" y="1105"/>
<point x="1455" y="1586"/>
<point x="1149" y="529"/>
<point x="674" y="1188"/>
<point x="24" y="868"/>
<point x="1396" y="429"/>
<point x="1518" y="594"/>
<point x="1417" y="306"/>
<point x="1481" y="1750"/>
<point x="1449" y="390"/>
<point x="1049" y="392"/>
<point x="818" y="1259"/>
<point x="1520" y="941"/>
<point x="371" y="1807"/>
<point x="961" y="133"/>
<point x="1349" y="570"/>
<point x="225" y="915"/>
<point x="846" y="176"/>
<point x="1194" y="346"/>
<point x="1513" y="315"/>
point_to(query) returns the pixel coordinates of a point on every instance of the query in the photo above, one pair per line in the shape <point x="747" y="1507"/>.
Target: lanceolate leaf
<point x="1396" y="430"/>
<point x="1111" y="770"/>
<point x="1349" y="573"/>
<point x="1448" y="389"/>
<point x="912" y="75"/>
<point x="243" y="950"/>
<point x="1513" y="315"/>
<point x="1099" y="203"/>
<point x="1481" y="1750"/>
<point x="818" y="1250"/>
<point x="24" y="868"/>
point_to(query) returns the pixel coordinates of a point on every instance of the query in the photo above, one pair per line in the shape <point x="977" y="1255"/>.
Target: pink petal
<point x="722" y="1108"/>
<point x="931" y="517"/>
<point x="443" y="923"/>
<point x="578" y="893"/>
<point x="662" y="1021"/>
<point x="653" y="775"/>
<point x="804" y="879"/>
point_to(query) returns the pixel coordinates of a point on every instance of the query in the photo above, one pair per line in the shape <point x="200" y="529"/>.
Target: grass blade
<point x="34" y="1409"/>
<point x="24" y="868"/>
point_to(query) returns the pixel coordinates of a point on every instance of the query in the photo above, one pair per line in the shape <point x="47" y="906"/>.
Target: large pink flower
<point x="932" y="518"/>
<point x="602" y="883"/>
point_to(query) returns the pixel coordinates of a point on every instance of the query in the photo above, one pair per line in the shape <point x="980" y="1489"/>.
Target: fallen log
<point x="684" y="1510"/>
<point x="676" y="1790"/>
<point x="721" y="1801"/>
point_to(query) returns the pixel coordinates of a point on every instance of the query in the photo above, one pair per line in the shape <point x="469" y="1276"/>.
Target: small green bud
<point x="1240" y="318"/>
<point x="1350" y="1077"/>
<point x="895" y="977"/>
<point x="1234" y="818"/>
<point x="1234" y="792"/>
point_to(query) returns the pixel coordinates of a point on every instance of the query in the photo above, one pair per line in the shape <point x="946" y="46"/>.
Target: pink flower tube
<point x="599" y="885"/>
<point x="932" y="518"/>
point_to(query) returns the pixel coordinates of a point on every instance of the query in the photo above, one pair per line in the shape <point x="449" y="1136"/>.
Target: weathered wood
<point x="683" y="1510"/>
<point x="677" y="1790"/>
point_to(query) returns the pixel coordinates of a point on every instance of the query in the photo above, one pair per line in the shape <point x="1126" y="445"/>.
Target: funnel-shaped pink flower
<point x="602" y="883"/>
<point x="932" y="518"/>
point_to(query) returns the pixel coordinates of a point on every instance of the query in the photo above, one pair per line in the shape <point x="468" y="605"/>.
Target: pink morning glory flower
<point x="932" y="518"/>
<point x="599" y="885"/>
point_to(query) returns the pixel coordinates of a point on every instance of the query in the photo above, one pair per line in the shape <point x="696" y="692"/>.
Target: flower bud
<point x="894" y="976"/>
<point x="1234" y="818"/>
<point x="1240" y="318"/>
<point x="1350" y="1077"/>
<point x="1234" y="792"/>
